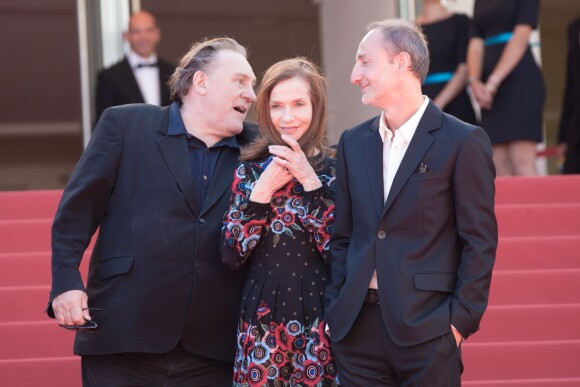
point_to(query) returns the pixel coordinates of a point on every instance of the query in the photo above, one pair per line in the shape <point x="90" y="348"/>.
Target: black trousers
<point x="367" y="356"/>
<point x="176" y="368"/>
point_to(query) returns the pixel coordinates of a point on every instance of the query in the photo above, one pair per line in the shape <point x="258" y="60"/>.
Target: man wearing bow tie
<point x="415" y="234"/>
<point x="141" y="76"/>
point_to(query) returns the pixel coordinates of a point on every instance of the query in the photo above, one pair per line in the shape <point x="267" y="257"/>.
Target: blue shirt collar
<point x="177" y="127"/>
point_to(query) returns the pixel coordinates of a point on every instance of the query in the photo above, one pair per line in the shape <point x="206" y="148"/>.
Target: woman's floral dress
<point x="281" y="337"/>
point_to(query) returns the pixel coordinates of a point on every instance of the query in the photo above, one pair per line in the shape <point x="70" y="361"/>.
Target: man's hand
<point x="457" y="335"/>
<point x="68" y="308"/>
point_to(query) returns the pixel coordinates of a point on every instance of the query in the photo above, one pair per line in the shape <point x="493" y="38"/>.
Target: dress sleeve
<point x="463" y="27"/>
<point x="474" y="29"/>
<point x="528" y="12"/>
<point x="245" y="221"/>
<point x="318" y="214"/>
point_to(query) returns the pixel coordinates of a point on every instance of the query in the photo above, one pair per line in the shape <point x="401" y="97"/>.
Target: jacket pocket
<point x="443" y="282"/>
<point x="425" y="176"/>
<point x="111" y="267"/>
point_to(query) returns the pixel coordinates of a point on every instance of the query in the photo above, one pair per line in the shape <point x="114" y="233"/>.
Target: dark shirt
<point x="202" y="160"/>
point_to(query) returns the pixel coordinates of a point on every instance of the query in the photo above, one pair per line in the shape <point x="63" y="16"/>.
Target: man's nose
<point x="249" y="94"/>
<point x="355" y="75"/>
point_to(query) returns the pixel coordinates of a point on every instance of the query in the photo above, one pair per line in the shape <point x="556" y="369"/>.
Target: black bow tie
<point x="140" y="65"/>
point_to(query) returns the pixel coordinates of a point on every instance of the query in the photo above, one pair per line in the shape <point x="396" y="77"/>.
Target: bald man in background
<point x="141" y="77"/>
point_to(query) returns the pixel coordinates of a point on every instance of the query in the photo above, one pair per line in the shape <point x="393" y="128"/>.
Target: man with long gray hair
<point x="159" y="307"/>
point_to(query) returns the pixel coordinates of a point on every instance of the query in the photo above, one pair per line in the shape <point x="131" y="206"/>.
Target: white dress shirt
<point x="395" y="145"/>
<point x="147" y="77"/>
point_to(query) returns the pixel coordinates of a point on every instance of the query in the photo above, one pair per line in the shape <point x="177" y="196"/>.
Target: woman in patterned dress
<point x="279" y="220"/>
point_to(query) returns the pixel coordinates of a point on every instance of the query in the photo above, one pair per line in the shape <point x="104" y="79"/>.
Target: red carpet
<point x="34" y="351"/>
<point x="530" y="336"/>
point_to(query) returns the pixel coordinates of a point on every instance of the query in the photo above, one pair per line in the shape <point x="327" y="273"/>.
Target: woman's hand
<point x="272" y="179"/>
<point x="483" y="94"/>
<point x="295" y="162"/>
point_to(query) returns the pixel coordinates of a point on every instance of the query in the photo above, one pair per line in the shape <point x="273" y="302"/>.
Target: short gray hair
<point x="401" y="35"/>
<point x="198" y="58"/>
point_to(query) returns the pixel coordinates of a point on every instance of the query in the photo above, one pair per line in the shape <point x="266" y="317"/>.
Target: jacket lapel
<point x="373" y="153"/>
<point x="174" y="150"/>
<point x="420" y="144"/>
<point x="130" y="81"/>
<point x="222" y="177"/>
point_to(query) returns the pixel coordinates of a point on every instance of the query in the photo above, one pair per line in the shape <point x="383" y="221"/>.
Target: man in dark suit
<point x="156" y="183"/>
<point x="415" y="234"/>
<point x="141" y="76"/>
<point x="569" y="136"/>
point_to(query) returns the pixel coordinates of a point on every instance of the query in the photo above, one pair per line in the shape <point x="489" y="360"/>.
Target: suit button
<point x="382" y="235"/>
<point x="201" y="220"/>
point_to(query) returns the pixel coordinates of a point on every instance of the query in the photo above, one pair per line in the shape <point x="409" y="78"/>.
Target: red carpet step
<point x="549" y="382"/>
<point x="521" y="287"/>
<point x="41" y="372"/>
<point x="28" y="204"/>
<point x="26" y="235"/>
<point x="30" y="269"/>
<point x="545" y="252"/>
<point x="537" y="190"/>
<point x="42" y="339"/>
<point x="522" y="360"/>
<point x="538" y="219"/>
<point x="508" y="323"/>
<point x="23" y="303"/>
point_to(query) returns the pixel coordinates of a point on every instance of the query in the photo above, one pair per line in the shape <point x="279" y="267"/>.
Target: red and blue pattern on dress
<point x="281" y="337"/>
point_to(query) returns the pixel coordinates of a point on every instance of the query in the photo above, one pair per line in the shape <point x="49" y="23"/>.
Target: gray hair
<point x="198" y="58"/>
<point x="401" y="35"/>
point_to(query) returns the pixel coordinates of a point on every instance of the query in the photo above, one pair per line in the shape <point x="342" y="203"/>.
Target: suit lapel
<point x="420" y="144"/>
<point x="165" y="72"/>
<point x="175" y="152"/>
<point x="373" y="153"/>
<point x="130" y="82"/>
<point x="222" y="177"/>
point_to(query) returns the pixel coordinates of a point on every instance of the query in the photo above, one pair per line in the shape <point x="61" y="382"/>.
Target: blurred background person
<point x="279" y="221"/>
<point x="141" y="76"/>
<point x="507" y="82"/>
<point x="447" y="35"/>
<point x="569" y="136"/>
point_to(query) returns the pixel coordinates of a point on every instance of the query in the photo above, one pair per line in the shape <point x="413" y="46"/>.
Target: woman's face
<point x="291" y="107"/>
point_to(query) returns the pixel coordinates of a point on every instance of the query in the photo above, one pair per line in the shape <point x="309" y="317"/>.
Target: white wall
<point x="343" y="25"/>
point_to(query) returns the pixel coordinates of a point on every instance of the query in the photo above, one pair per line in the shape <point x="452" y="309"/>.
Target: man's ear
<point x="404" y="60"/>
<point x="199" y="82"/>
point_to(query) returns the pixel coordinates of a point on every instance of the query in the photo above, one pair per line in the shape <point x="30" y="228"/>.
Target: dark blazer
<point x="117" y="85"/>
<point x="155" y="270"/>
<point x="433" y="243"/>
<point x="570" y="120"/>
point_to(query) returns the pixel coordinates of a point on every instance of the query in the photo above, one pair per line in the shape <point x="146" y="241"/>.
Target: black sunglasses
<point x="89" y="326"/>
